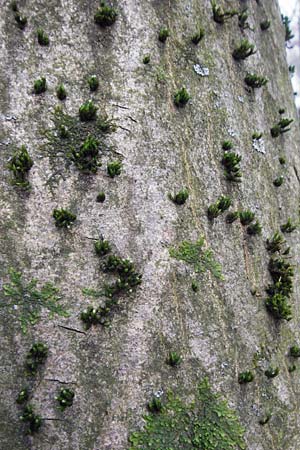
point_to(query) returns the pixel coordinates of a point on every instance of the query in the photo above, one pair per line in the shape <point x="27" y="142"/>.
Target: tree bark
<point x="221" y="330"/>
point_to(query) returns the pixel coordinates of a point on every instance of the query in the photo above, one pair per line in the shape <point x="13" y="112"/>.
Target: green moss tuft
<point x="65" y="398"/>
<point x="198" y="36"/>
<point x="42" y="37"/>
<point x="221" y="205"/>
<point x="265" y="25"/>
<point x="114" y="168"/>
<point x="87" y="111"/>
<point x="255" y="81"/>
<point x="63" y="218"/>
<point x="281" y="127"/>
<point x="61" y="92"/>
<point x="220" y="15"/>
<point x="146" y="59"/>
<point x="246" y="377"/>
<point x="155" y="405"/>
<point x="36" y="357"/>
<point x="272" y="372"/>
<point x="295" y="351"/>
<point x="243" y="18"/>
<point x="20" y="164"/>
<point x="232" y="217"/>
<point x="256" y="135"/>
<point x="102" y="247"/>
<point x="288" y="32"/>
<point x="274" y="244"/>
<point x="231" y="162"/>
<point x="21" y="20"/>
<point x="278" y="181"/>
<point x="100" y="197"/>
<point x="34" y="421"/>
<point x="246" y="217"/>
<point x="163" y="34"/>
<point x="244" y="50"/>
<point x="86" y="158"/>
<point x="254" y="228"/>
<point x="40" y="86"/>
<point x="288" y="227"/>
<point x="227" y="145"/>
<point x="181" y="97"/>
<point x="106" y="15"/>
<point x="195" y="286"/>
<point x="93" y="83"/>
<point x="173" y="359"/>
<point x="22" y="396"/>
<point x="127" y="280"/>
<point x="180" y="198"/>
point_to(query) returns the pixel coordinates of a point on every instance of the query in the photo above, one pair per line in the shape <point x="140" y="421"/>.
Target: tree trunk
<point x="220" y="330"/>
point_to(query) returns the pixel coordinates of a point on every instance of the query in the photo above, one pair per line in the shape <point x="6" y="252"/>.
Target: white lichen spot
<point x="258" y="145"/>
<point x="241" y="99"/>
<point x="7" y="142"/>
<point x="200" y="70"/>
<point x="9" y="118"/>
<point x="159" y="393"/>
<point x="231" y="132"/>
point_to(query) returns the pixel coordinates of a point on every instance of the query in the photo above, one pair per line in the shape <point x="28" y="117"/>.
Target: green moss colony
<point x="207" y="423"/>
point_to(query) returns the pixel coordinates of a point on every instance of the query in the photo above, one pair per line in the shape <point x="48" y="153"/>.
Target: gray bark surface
<point x="217" y="330"/>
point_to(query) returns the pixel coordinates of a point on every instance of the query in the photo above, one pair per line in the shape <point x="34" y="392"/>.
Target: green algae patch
<point x="25" y="301"/>
<point x="207" y="423"/>
<point x="194" y="254"/>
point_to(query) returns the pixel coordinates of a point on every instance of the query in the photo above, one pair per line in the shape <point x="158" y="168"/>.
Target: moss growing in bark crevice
<point x="65" y="143"/>
<point x="128" y="279"/>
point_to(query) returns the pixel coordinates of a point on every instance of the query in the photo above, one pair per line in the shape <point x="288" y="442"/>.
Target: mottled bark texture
<point x="218" y="330"/>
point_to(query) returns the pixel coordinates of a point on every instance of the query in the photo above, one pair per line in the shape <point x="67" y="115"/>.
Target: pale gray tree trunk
<point x="217" y="330"/>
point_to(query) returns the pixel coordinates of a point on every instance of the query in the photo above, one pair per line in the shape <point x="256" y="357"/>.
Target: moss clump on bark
<point x="106" y="15"/>
<point x="20" y="164"/>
